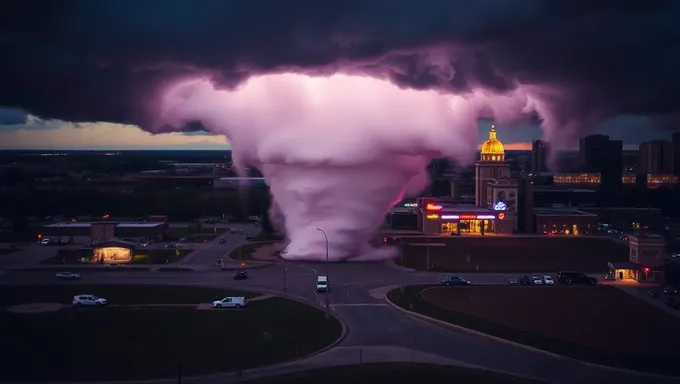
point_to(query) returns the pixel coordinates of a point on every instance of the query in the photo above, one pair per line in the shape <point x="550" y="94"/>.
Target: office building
<point x="539" y="156"/>
<point x="655" y="157"/>
<point x="675" y="143"/>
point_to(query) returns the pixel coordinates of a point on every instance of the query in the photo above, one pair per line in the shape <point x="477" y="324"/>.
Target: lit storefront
<point x="594" y="179"/>
<point x="566" y="221"/>
<point x="436" y="218"/>
<point x="113" y="252"/>
<point x="645" y="262"/>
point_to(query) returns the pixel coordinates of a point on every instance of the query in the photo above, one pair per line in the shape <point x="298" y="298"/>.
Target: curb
<point x="520" y="345"/>
<point x="390" y="263"/>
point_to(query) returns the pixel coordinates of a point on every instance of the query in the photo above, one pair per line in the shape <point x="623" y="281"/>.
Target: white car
<point x="536" y="280"/>
<point x="548" y="280"/>
<point x="88" y="301"/>
<point x="230" y="302"/>
<point x="67" y="276"/>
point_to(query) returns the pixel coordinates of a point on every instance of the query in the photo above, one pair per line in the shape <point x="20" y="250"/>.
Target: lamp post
<point x="327" y="279"/>
<point x="401" y="257"/>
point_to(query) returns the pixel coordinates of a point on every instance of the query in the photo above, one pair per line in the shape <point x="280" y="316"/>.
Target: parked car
<point x="512" y="281"/>
<point x="68" y="276"/>
<point x="672" y="302"/>
<point x="453" y="280"/>
<point x="524" y="280"/>
<point x="240" y="275"/>
<point x="567" y="277"/>
<point x="86" y="300"/>
<point x="670" y="290"/>
<point x="548" y="280"/>
<point x="537" y="280"/>
<point x="230" y="302"/>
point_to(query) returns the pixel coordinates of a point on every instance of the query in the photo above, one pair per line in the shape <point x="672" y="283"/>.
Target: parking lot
<point x="513" y="254"/>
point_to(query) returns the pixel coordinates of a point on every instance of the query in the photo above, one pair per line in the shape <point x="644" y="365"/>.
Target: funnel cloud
<point x="341" y="103"/>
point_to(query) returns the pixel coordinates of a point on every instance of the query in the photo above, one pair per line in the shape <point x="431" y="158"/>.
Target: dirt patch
<point x="32" y="308"/>
<point x="597" y="317"/>
<point x="515" y="254"/>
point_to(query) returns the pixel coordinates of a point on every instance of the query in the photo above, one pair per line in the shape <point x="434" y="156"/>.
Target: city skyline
<point x="36" y="133"/>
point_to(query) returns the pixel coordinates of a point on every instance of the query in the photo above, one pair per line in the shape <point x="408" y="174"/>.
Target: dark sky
<point x="84" y="60"/>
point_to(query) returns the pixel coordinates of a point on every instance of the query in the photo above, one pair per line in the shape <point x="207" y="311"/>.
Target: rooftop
<point x="567" y="211"/>
<point x="645" y="235"/>
<point x="83" y="224"/>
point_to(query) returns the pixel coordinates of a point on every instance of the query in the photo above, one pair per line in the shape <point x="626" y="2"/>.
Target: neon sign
<point x="468" y="217"/>
<point x="433" y="207"/>
<point x="433" y="216"/>
<point x="410" y="205"/>
<point x="486" y="217"/>
<point x="501" y="216"/>
<point x="450" y="217"/>
<point x="500" y="206"/>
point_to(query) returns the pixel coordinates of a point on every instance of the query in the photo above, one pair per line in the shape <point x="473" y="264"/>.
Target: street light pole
<point x="427" y="266"/>
<point x="327" y="279"/>
<point x="401" y="256"/>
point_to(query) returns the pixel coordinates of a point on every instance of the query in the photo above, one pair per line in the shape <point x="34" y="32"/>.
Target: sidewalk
<point x="339" y="356"/>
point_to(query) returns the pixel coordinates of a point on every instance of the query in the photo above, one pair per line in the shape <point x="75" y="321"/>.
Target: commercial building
<point x="113" y="251"/>
<point x="594" y="180"/>
<point x="564" y="221"/>
<point x="447" y="218"/>
<point x="646" y="260"/>
<point x="540" y="151"/>
<point x="655" y="157"/>
<point x="106" y="231"/>
<point x="627" y="218"/>
<point x="675" y="143"/>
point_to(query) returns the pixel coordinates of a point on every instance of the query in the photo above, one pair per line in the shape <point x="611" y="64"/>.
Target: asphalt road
<point x="370" y="321"/>
<point x="207" y="254"/>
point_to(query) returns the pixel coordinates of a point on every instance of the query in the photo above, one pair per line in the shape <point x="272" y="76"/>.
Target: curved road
<point x="370" y="321"/>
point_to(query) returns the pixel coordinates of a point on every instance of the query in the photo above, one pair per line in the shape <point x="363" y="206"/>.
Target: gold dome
<point x="492" y="149"/>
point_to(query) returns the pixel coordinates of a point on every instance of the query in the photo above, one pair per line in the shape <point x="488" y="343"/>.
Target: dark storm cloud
<point x="12" y="116"/>
<point x="82" y="60"/>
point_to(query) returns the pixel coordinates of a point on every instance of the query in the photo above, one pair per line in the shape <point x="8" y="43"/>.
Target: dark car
<point x="249" y="237"/>
<point x="222" y="240"/>
<point x="570" y="278"/>
<point x="525" y="280"/>
<point x="672" y="302"/>
<point x="240" y="275"/>
<point x="670" y="291"/>
<point x="453" y="280"/>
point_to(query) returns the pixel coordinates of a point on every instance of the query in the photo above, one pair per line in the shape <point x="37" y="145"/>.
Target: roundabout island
<point x="151" y="331"/>
<point x="591" y="324"/>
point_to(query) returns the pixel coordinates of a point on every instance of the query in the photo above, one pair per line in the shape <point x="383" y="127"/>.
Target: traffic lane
<point x="119" y="277"/>
<point x="209" y="253"/>
<point x="379" y="325"/>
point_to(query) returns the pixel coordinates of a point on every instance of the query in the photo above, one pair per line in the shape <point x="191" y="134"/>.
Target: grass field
<point x="394" y="373"/>
<point x="123" y="343"/>
<point x="514" y="254"/>
<point x="598" y="324"/>
<point x="116" y="294"/>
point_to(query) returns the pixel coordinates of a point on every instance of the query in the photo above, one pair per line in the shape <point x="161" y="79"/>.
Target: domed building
<point x="490" y="168"/>
<point x="492" y="149"/>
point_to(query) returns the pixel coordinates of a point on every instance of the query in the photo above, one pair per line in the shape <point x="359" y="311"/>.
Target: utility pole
<point x="285" y="280"/>
<point x="328" y="288"/>
<point x="427" y="267"/>
<point x="401" y="256"/>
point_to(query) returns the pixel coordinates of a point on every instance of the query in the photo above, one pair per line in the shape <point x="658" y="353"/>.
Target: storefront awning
<point x="622" y="265"/>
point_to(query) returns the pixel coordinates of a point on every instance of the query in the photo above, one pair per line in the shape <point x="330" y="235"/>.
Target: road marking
<point x="360" y="305"/>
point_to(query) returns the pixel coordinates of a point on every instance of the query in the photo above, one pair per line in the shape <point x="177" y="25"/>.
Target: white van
<point x="230" y="302"/>
<point x="322" y="283"/>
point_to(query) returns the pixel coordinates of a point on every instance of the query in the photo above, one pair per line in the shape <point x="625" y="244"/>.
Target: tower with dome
<point x="490" y="168"/>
